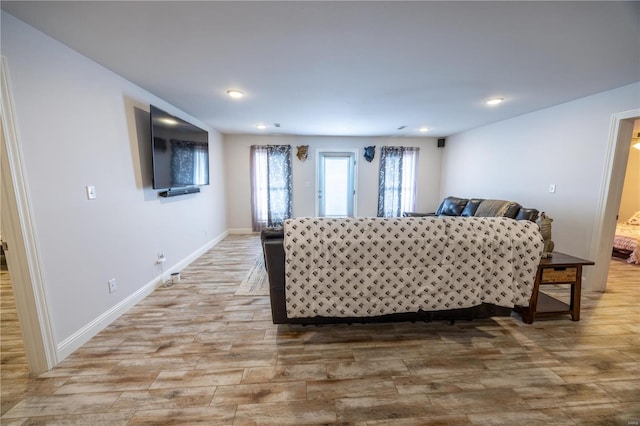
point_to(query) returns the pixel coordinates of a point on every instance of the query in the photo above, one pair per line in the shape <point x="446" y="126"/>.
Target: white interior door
<point x="336" y="184"/>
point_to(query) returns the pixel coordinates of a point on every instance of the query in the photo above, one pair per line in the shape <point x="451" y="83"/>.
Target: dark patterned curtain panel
<point x="397" y="180"/>
<point x="271" y="185"/>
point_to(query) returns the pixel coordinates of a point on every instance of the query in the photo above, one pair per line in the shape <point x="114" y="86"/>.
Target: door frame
<point x="319" y="154"/>
<point x="22" y="255"/>
<point x="617" y="156"/>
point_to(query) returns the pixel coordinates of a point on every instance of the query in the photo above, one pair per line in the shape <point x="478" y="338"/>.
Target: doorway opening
<point x="617" y="156"/>
<point x="21" y="248"/>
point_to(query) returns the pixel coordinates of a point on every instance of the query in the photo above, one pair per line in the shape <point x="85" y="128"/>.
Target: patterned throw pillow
<point x="634" y="220"/>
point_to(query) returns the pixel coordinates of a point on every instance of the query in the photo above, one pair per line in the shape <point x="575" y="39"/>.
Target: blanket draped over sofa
<point x="361" y="267"/>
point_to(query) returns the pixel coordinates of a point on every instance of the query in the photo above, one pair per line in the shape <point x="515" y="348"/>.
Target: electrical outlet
<point x="113" y="285"/>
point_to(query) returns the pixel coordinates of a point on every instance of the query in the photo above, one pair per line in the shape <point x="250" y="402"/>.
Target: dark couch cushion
<point x="527" y="214"/>
<point x="471" y="207"/>
<point x="451" y="206"/>
<point x="271" y="233"/>
<point x="512" y="210"/>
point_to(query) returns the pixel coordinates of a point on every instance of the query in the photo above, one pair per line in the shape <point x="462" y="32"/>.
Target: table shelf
<point x="550" y="305"/>
<point x="559" y="269"/>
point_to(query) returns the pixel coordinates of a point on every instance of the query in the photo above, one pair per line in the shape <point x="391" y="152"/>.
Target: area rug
<point x="256" y="282"/>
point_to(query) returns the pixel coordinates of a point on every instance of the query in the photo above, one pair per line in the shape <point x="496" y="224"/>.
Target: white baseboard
<point x="83" y="335"/>
<point x="193" y="256"/>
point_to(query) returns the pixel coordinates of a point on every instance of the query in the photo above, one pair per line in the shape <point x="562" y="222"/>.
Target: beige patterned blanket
<point x="357" y="267"/>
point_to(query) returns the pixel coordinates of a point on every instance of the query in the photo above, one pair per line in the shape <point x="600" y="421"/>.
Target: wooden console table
<point x="560" y="269"/>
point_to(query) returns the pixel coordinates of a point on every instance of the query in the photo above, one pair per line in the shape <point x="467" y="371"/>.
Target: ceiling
<point x="353" y="68"/>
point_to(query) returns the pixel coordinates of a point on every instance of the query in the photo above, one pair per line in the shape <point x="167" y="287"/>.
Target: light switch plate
<point x="91" y="192"/>
<point x="552" y="188"/>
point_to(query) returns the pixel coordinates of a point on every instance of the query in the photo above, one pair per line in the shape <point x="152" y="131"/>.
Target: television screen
<point x="180" y="152"/>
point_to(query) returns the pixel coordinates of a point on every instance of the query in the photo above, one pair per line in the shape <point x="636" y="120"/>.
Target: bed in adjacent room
<point x="626" y="243"/>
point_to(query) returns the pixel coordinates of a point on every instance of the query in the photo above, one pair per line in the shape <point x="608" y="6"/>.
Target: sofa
<point x="479" y="207"/>
<point x="346" y="270"/>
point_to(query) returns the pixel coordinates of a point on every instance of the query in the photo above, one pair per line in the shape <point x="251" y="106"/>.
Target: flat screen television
<point x="180" y="152"/>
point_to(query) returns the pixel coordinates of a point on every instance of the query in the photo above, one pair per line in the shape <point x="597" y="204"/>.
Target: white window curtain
<point x="271" y="185"/>
<point x="397" y="180"/>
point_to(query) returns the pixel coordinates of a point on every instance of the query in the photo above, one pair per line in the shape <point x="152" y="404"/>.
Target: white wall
<point x="517" y="159"/>
<point x="80" y="124"/>
<point x="304" y="177"/>
<point x="630" y="201"/>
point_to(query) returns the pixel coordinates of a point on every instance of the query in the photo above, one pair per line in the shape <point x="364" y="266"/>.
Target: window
<point x="270" y="185"/>
<point x="397" y="180"/>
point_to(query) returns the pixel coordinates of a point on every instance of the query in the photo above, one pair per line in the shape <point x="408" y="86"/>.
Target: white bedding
<point x="358" y="267"/>
<point x="628" y="238"/>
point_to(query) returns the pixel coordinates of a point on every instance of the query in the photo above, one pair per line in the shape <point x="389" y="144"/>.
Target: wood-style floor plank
<point x="195" y="353"/>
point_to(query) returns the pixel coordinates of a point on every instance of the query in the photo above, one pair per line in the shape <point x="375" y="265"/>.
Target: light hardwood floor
<point x="195" y="353"/>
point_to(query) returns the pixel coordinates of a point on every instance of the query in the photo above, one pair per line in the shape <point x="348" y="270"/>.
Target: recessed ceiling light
<point x="495" y="101"/>
<point x="261" y="126"/>
<point x="424" y="129"/>
<point x="235" y="94"/>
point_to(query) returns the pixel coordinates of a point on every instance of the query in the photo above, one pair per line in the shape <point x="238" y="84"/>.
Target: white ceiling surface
<point x="353" y="68"/>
